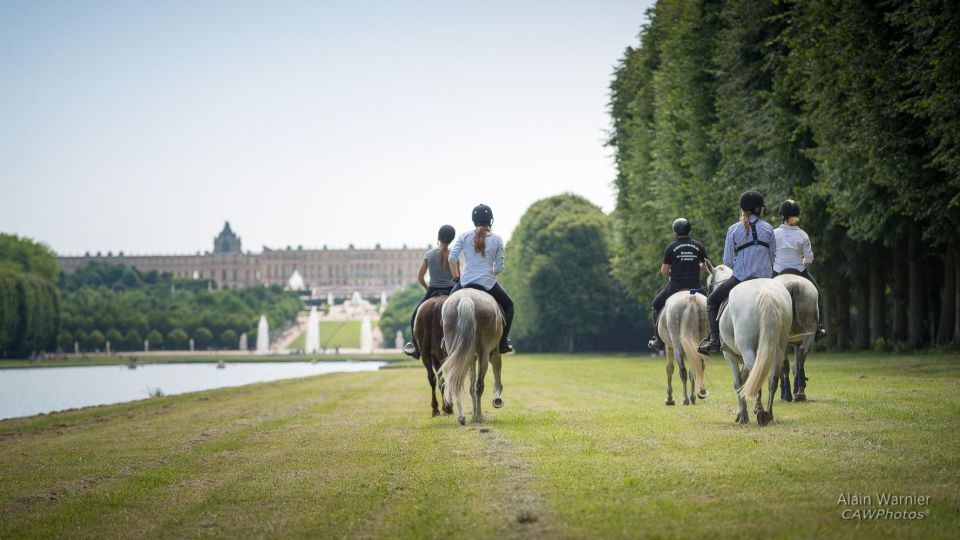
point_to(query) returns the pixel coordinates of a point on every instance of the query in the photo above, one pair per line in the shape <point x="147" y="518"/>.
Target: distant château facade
<point x="325" y="271"/>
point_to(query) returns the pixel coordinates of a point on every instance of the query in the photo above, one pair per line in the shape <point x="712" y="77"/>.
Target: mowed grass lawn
<point x="343" y="334"/>
<point x="584" y="448"/>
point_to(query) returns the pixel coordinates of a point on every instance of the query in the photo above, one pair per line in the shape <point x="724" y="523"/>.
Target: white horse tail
<point x="690" y="338"/>
<point x="769" y="315"/>
<point x="460" y="350"/>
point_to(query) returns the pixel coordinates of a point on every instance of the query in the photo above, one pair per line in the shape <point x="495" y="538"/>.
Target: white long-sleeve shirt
<point x="479" y="269"/>
<point x="794" y="249"/>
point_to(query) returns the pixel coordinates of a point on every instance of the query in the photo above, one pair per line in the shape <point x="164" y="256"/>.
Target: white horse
<point x="806" y="316"/>
<point x="753" y="331"/>
<point x="682" y="325"/>
<point x="472" y="325"/>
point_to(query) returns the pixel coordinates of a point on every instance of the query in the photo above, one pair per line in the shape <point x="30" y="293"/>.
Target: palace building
<point x="339" y="272"/>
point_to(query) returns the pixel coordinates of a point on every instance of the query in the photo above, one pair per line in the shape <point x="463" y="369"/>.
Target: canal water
<point x="29" y="391"/>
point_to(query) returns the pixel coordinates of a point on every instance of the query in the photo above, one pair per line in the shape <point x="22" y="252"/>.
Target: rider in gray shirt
<point x="441" y="280"/>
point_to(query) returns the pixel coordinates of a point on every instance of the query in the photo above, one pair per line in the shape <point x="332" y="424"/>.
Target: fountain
<point x="191" y="344"/>
<point x="313" y="332"/>
<point x="76" y="348"/>
<point x="330" y="299"/>
<point x="366" y="336"/>
<point x="263" y="336"/>
<point x="398" y="341"/>
<point x="146" y="345"/>
<point x="243" y="342"/>
<point x="296" y="283"/>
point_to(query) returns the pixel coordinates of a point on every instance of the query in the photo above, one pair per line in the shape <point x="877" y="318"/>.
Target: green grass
<point x="344" y="334"/>
<point x="584" y="448"/>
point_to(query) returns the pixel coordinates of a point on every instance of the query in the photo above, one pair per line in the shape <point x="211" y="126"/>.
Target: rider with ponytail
<point x="441" y="279"/>
<point x="795" y="252"/>
<point x="749" y="250"/>
<point x="483" y="257"/>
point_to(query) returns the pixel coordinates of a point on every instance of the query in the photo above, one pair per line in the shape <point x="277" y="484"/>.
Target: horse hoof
<point x="686" y="401"/>
<point x="764" y="418"/>
<point x="800" y="397"/>
<point x="462" y="420"/>
<point x="436" y="413"/>
<point x="741" y="419"/>
<point x="448" y="409"/>
<point x="497" y="403"/>
<point x="669" y="402"/>
<point x="703" y="394"/>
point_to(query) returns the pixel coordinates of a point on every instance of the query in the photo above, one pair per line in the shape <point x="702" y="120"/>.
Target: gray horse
<point x="683" y="325"/>
<point x="753" y="331"/>
<point x="802" y="333"/>
<point x="472" y="324"/>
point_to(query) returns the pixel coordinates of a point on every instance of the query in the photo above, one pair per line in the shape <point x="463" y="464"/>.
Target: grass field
<point x="344" y="334"/>
<point x="584" y="448"/>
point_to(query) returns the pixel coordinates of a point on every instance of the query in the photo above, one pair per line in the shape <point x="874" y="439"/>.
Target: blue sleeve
<point x="728" y="248"/>
<point x="455" y="252"/>
<point x="807" y="249"/>
<point x="498" y="262"/>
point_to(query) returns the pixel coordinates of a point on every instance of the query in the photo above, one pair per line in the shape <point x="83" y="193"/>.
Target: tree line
<point x="29" y="298"/>
<point x="42" y="309"/>
<point x="850" y="108"/>
<point x="116" y="303"/>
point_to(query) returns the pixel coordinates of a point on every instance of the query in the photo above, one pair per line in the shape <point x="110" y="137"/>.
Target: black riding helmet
<point x="446" y="234"/>
<point x="482" y="215"/>
<point x="751" y="200"/>
<point x="789" y="208"/>
<point x="681" y="226"/>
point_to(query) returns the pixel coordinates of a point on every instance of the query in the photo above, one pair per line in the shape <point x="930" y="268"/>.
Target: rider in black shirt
<point x="682" y="263"/>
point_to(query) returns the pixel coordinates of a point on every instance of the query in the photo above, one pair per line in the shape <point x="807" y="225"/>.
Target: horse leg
<point x="734" y="361"/>
<point x="432" y="377"/>
<point x="800" y="376"/>
<point x="481" y="375"/>
<point x="785" y="394"/>
<point x="497" y="362"/>
<point x="678" y="354"/>
<point x="669" y="400"/>
<point x="473" y="388"/>
<point x="765" y="417"/>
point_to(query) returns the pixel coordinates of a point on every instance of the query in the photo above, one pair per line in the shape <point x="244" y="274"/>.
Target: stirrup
<point x="506" y="347"/>
<point x="656" y="344"/>
<point x="410" y="349"/>
<point x="709" y="345"/>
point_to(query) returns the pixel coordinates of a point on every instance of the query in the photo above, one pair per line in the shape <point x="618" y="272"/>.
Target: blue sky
<point x="142" y="126"/>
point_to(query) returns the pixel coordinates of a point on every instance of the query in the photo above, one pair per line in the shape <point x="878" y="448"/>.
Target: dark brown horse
<point x="428" y="327"/>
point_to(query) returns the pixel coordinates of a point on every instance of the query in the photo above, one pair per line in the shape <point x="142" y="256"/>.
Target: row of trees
<point x="29" y="299"/>
<point x="116" y="303"/>
<point x="848" y="107"/>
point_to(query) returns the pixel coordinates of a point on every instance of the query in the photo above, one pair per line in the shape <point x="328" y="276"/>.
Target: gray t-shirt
<point x="439" y="277"/>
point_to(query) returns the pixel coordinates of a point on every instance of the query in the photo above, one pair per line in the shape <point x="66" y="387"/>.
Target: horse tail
<point x="769" y="351"/>
<point x="460" y="350"/>
<point x="690" y="338"/>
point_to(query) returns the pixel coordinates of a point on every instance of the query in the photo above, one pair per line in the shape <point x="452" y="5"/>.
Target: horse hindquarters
<point x="460" y="335"/>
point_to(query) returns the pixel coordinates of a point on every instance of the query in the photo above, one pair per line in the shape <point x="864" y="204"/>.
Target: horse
<point x="754" y="330"/>
<point x="806" y="315"/>
<point x="472" y="325"/>
<point x="428" y="331"/>
<point x="682" y="325"/>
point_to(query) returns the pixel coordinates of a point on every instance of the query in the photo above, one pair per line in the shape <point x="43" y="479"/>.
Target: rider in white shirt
<point x="795" y="252"/>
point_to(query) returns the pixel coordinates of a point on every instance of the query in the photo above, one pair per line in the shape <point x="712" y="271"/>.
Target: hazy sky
<point x="142" y="126"/>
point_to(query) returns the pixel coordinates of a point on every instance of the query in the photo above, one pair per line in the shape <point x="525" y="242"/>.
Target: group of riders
<point x="752" y="249"/>
<point x="482" y="252"/>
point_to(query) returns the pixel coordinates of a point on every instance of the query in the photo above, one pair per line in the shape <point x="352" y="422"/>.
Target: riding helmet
<point x="681" y="226"/>
<point x="789" y="208"/>
<point x="482" y="215"/>
<point x="751" y="200"/>
<point x="446" y="234"/>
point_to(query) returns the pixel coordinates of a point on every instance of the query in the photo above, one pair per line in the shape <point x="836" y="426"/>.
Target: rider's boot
<point x="506" y="346"/>
<point x="712" y="343"/>
<point x="655" y="342"/>
<point x="411" y="349"/>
